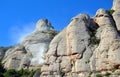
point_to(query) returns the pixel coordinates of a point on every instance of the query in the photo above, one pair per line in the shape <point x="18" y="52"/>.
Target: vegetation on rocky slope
<point x="16" y="73"/>
<point x="52" y="32"/>
<point x="3" y="50"/>
<point x="111" y="11"/>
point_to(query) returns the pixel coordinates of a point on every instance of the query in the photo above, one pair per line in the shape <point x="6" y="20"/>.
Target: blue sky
<point x="18" y="17"/>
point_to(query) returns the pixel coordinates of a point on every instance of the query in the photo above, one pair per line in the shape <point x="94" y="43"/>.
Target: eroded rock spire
<point x="116" y="4"/>
<point x="43" y="25"/>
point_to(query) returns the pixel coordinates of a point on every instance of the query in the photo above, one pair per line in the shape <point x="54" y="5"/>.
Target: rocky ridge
<point x="30" y="52"/>
<point x="90" y="47"/>
<point x="87" y="47"/>
<point x="2" y="52"/>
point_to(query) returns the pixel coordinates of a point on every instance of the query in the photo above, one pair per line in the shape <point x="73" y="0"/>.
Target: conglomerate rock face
<point x="82" y="51"/>
<point x="116" y="4"/>
<point x="44" y="25"/>
<point x="30" y="52"/>
<point x="87" y="47"/>
<point x="116" y="14"/>
<point x="68" y="50"/>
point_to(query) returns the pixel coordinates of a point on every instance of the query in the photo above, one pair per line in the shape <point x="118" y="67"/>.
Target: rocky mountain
<point x="2" y="51"/>
<point x="87" y="47"/>
<point x="30" y="52"/>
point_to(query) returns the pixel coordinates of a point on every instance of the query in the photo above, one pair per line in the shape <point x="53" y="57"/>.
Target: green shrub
<point x="89" y="76"/>
<point x="51" y="72"/>
<point x="61" y="73"/>
<point x="2" y="70"/>
<point x="17" y="73"/>
<point x="107" y="74"/>
<point x="5" y="48"/>
<point x="11" y="73"/>
<point x="53" y="32"/>
<point x="99" y="75"/>
<point x="94" y="40"/>
<point x="20" y="73"/>
<point x="111" y="11"/>
<point x="1" y="74"/>
<point x="114" y="69"/>
<point x="26" y="73"/>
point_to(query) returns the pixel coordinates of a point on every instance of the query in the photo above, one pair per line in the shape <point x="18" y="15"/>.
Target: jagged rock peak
<point x="44" y="25"/>
<point x="101" y="11"/>
<point x="30" y="52"/>
<point x="102" y="18"/>
<point x="82" y="17"/>
<point x="116" y="4"/>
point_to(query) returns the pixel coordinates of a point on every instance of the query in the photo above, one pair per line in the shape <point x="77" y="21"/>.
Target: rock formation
<point x="65" y="51"/>
<point x="2" y="51"/>
<point x="30" y="52"/>
<point x="44" y="25"/>
<point x="87" y="47"/>
<point x="116" y="4"/>
<point x="116" y="14"/>
<point x="85" y="51"/>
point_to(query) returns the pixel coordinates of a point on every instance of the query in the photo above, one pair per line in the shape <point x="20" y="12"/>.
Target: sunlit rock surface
<point x="87" y="47"/>
<point x="84" y="50"/>
<point x="43" y="25"/>
<point x="116" y="5"/>
<point x="30" y="52"/>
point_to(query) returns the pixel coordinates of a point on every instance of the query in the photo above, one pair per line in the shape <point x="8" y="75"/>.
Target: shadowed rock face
<point x="116" y="16"/>
<point x="2" y="51"/>
<point x="30" y="52"/>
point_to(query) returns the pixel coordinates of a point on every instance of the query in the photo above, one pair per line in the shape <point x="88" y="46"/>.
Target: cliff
<point x="87" y="47"/>
<point x="30" y="52"/>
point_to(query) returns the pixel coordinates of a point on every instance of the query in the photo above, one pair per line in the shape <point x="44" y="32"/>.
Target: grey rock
<point x="116" y="4"/>
<point x="51" y="59"/>
<point x="37" y="51"/>
<point x="57" y="45"/>
<point x="81" y="65"/>
<point x="103" y="18"/>
<point x="30" y="52"/>
<point x="45" y="68"/>
<point x="66" y="49"/>
<point x="107" y="34"/>
<point x="64" y="41"/>
<point x="66" y="64"/>
<point x="37" y="37"/>
<point x="43" y="25"/>
<point x="75" y="54"/>
<point x="3" y="51"/>
<point x="116" y="16"/>
<point x="54" y="67"/>
<point x="78" y="29"/>
<point x="37" y="74"/>
<point x="72" y="53"/>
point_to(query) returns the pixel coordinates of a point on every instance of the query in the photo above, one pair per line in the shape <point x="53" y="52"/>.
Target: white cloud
<point x="18" y="32"/>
